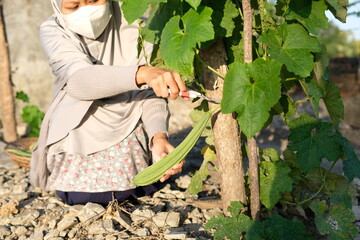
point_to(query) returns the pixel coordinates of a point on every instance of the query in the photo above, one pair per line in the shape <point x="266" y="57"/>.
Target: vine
<point x="287" y="54"/>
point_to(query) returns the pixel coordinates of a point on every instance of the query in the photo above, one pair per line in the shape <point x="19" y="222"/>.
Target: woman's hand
<point x="160" y="148"/>
<point x="160" y="80"/>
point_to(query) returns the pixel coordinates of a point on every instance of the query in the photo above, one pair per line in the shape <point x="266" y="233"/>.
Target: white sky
<point x="352" y="22"/>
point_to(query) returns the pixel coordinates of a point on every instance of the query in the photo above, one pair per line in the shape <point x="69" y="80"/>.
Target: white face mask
<point x="89" y="21"/>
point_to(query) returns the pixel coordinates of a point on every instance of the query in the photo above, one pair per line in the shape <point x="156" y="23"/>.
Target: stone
<point x="356" y="211"/>
<point x="9" y="208"/>
<point x="210" y="213"/>
<point x="37" y="235"/>
<point x="4" y="231"/>
<point x="20" y="196"/>
<point x="167" y="219"/>
<point x="72" y="233"/>
<point x="20" y="231"/>
<point x="24" y="218"/>
<point x="122" y="219"/>
<point x="52" y="234"/>
<point x="141" y="214"/>
<point x="52" y="224"/>
<point x="105" y="226"/>
<point x="183" y="181"/>
<point x="142" y="232"/>
<point x="67" y="223"/>
<point x="90" y="211"/>
<point x="111" y="238"/>
<point x="175" y="233"/>
<point x="19" y="188"/>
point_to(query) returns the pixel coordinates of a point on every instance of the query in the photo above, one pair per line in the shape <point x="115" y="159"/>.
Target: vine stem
<point x="209" y="67"/>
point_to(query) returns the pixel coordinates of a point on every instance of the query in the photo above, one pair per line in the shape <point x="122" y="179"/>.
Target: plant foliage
<point x="287" y="55"/>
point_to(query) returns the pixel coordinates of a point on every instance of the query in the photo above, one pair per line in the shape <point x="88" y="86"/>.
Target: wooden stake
<point x="6" y="92"/>
<point x="226" y="131"/>
<point x="252" y="146"/>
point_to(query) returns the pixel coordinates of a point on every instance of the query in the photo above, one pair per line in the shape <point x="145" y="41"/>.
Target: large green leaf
<point x="222" y="17"/>
<point x="351" y="161"/>
<point x="339" y="8"/>
<point x="333" y="102"/>
<point x="133" y="10"/>
<point x="314" y="93"/>
<point x="274" y="180"/>
<point x="199" y="176"/>
<point x="337" y="222"/>
<point x="341" y="194"/>
<point x="277" y="227"/>
<point x="330" y="92"/>
<point x="159" y="16"/>
<point x="177" y="45"/>
<point x="292" y="45"/>
<point x="194" y="3"/>
<point x="312" y="141"/>
<point x="311" y="14"/>
<point x="251" y="90"/>
<point x="237" y="226"/>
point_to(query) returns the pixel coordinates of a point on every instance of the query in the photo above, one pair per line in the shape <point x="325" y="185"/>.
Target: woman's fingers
<point x="175" y="170"/>
<point x="161" y="81"/>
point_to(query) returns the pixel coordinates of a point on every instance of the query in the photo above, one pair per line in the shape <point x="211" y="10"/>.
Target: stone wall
<point x="30" y="70"/>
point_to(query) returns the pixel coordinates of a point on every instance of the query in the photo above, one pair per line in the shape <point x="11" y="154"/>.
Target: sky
<point x="352" y="22"/>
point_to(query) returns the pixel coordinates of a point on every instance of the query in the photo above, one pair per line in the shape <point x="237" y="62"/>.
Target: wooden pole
<point x="252" y="146"/>
<point x="6" y="91"/>
<point x="226" y="131"/>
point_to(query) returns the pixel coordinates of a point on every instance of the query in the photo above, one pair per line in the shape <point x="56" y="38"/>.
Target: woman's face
<point x="70" y="6"/>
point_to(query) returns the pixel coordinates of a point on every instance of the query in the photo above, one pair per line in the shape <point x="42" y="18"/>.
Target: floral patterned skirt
<point x="111" y="169"/>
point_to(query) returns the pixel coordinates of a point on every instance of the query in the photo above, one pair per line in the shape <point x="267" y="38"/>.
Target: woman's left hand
<point x="160" y="148"/>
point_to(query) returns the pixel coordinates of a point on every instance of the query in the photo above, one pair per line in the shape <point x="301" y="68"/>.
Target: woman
<point x="103" y="119"/>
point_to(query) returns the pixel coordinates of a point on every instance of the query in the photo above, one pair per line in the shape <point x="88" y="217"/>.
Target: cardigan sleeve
<point x="71" y="66"/>
<point x="155" y="116"/>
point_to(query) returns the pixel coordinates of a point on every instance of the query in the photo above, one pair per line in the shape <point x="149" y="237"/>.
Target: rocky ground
<point x="171" y="213"/>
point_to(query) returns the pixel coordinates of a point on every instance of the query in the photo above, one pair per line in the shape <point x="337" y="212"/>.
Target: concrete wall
<point x="30" y="70"/>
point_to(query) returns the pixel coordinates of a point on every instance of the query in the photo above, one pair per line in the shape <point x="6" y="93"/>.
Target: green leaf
<point x="277" y="227"/>
<point x="33" y="116"/>
<point x="270" y="155"/>
<point x="314" y="93"/>
<point x="159" y="16"/>
<point x="177" y="45"/>
<point x="341" y="194"/>
<point x="337" y="222"/>
<point x="321" y="70"/>
<point x="312" y="141"/>
<point x="194" y="3"/>
<point x="222" y="17"/>
<point x="311" y="14"/>
<point x="196" y="183"/>
<point x="333" y="102"/>
<point x="339" y="9"/>
<point x="274" y="180"/>
<point x="251" y="90"/>
<point x="330" y="91"/>
<point x="22" y="96"/>
<point x="133" y="10"/>
<point x="350" y="159"/>
<point x="234" y="227"/>
<point x="292" y="46"/>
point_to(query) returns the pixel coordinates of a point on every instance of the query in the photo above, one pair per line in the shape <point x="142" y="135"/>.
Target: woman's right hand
<point x="161" y="80"/>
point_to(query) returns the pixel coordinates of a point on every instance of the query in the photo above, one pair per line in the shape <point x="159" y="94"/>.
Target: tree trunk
<point x="6" y="93"/>
<point x="252" y="146"/>
<point x="225" y="129"/>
